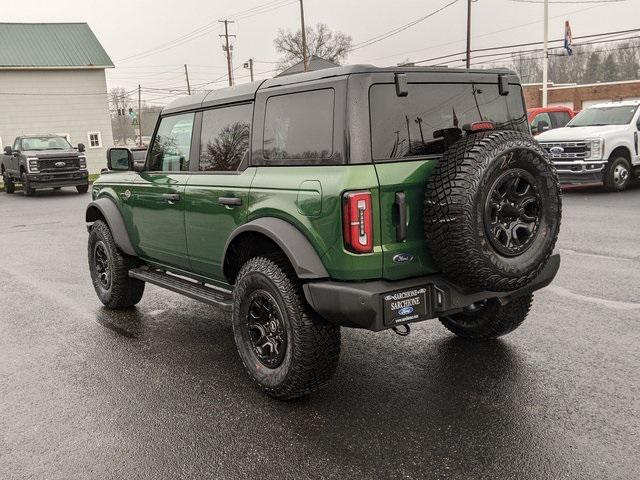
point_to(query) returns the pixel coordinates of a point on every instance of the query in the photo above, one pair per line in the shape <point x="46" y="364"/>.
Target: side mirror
<point x="119" y="159"/>
<point x="8" y="150"/>
<point x="81" y="147"/>
<point x="543" y="126"/>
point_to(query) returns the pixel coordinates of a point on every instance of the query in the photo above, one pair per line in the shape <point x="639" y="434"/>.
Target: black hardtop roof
<point x="247" y="91"/>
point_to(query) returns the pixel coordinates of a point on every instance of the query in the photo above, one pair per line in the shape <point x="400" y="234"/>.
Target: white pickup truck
<point x="599" y="145"/>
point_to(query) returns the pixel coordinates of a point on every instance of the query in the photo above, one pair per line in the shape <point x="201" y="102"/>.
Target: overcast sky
<point x="127" y="28"/>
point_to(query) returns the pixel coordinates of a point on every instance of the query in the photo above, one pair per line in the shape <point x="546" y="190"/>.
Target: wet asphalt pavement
<point x="159" y="391"/>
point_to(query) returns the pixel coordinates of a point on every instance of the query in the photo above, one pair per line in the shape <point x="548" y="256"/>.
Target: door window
<point x="559" y="119"/>
<point x="298" y="128"/>
<point x="543" y="118"/>
<point x="224" y="142"/>
<point x="172" y="144"/>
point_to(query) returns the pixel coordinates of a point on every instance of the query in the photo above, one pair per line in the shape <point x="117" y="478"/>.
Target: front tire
<point x="490" y="319"/>
<point x="82" y="188"/>
<point x="285" y="347"/>
<point x="27" y="189"/>
<point x="617" y="175"/>
<point x="109" y="269"/>
<point x="9" y="186"/>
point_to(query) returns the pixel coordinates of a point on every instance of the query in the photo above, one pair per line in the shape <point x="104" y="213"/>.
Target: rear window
<point x="405" y="126"/>
<point x="299" y="126"/>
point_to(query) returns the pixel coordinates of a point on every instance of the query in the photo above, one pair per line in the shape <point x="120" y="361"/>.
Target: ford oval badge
<point x="405" y="311"/>
<point x="402" y="257"/>
<point x="556" y="150"/>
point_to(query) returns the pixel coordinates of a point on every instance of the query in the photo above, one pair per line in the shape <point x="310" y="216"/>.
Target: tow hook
<point x="402" y="332"/>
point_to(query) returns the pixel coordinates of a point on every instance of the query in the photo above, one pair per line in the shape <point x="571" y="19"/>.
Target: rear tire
<point x="285" y="347"/>
<point x="109" y="269"/>
<point x="82" y="188"/>
<point x="617" y="175"/>
<point x="490" y="320"/>
<point x="27" y="189"/>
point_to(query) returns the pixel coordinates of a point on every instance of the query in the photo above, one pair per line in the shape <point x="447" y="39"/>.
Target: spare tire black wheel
<point x="492" y="211"/>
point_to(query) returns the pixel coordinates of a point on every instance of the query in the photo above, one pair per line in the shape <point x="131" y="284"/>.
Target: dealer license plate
<point x="405" y="305"/>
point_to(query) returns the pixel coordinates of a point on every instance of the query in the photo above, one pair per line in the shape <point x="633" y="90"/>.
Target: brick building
<point x="579" y="97"/>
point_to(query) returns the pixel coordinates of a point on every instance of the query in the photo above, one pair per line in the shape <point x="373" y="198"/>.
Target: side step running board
<point x="188" y="288"/>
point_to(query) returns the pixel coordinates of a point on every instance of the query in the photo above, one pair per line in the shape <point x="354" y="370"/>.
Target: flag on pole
<point x="568" y="38"/>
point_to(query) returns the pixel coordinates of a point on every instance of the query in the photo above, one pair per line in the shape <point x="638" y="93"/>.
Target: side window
<point x="172" y="144"/>
<point x="16" y="145"/>
<point x="559" y="119"/>
<point x="224" y="142"/>
<point x="299" y="126"/>
<point x="540" y="118"/>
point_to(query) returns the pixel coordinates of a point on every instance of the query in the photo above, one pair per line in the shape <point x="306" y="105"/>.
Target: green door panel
<point x="289" y="193"/>
<point x="159" y="232"/>
<point x="114" y="185"/>
<point x="208" y="223"/>
<point x="409" y="177"/>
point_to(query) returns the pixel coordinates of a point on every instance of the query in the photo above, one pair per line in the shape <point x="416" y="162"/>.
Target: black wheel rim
<point x="101" y="263"/>
<point x="266" y="331"/>
<point x="512" y="212"/>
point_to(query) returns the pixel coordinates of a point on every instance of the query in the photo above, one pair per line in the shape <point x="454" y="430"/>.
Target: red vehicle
<point x="543" y="119"/>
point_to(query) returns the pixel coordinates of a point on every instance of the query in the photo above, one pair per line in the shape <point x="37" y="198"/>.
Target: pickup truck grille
<point x="570" y="150"/>
<point x="49" y="164"/>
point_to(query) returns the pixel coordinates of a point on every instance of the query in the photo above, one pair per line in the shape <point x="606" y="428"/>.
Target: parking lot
<point x="159" y="391"/>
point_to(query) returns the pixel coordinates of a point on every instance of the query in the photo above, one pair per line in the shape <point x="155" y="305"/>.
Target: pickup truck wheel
<point x="109" y="269"/>
<point x="617" y="175"/>
<point x="492" y="211"/>
<point x="9" y="186"/>
<point x="27" y="190"/>
<point x="285" y="347"/>
<point x="489" y="319"/>
<point x="82" y="188"/>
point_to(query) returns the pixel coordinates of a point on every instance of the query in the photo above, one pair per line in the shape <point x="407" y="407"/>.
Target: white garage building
<point x="52" y="80"/>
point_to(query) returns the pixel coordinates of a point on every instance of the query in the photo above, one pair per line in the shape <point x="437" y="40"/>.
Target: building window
<point x="95" y="140"/>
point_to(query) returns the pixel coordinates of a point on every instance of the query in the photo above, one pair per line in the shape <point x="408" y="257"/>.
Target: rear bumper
<point x="360" y="304"/>
<point x="54" y="180"/>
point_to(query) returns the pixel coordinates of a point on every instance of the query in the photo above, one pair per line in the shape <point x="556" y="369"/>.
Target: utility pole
<point x="227" y="48"/>
<point x="468" y="33"/>
<point x="249" y="65"/>
<point x="305" y="60"/>
<point x="545" y="59"/>
<point x="139" y="115"/>
<point x="186" y="74"/>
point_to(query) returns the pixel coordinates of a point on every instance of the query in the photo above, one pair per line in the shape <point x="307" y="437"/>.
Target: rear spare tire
<point x="492" y="211"/>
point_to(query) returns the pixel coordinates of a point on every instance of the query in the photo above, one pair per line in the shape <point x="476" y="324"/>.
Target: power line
<point x="395" y="31"/>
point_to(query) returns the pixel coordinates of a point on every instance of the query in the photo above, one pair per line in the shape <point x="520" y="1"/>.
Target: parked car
<point x="547" y="118"/>
<point x="600" y="145"/>
<point x="44" y="161"/>
<point x="354" y="196"/>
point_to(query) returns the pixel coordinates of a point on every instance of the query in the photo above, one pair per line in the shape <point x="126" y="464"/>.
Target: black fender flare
<point x="303" y="257"/>
<point x="107" y="209"/>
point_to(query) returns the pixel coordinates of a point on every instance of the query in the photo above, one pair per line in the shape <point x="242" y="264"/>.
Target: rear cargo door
<point x="407" y="141"/>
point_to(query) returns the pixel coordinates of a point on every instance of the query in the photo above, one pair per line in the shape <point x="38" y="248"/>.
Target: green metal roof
<point x="46" y="45"/>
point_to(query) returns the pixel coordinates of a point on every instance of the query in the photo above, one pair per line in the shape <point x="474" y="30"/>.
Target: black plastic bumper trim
<point x="360" y="304"/>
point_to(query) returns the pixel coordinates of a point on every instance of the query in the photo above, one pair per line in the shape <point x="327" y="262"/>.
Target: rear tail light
<point x="357" y="221"/>
<point x="479" y="126"/>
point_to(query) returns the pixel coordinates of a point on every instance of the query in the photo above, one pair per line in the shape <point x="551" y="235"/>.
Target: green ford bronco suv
<point x="354" y="196"/>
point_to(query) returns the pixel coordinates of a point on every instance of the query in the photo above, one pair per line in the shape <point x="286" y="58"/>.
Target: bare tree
<point x="321" y="41"/>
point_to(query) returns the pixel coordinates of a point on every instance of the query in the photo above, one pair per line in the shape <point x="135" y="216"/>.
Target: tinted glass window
<point x="559" y="119"/>
<point x="543" y="118"/>
<point x="172" y="144"/>
<point x="225" y="137"/>
<point x="299" y="126"/>
<point x="405" y="126"/>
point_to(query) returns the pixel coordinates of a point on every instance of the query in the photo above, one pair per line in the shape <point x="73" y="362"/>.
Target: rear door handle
<point x="171" y="197"/>
<point x="230" y="201"/>
<point x="401" y="228"/>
